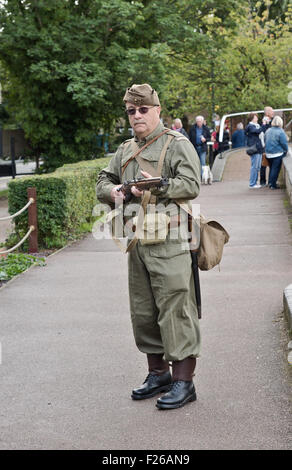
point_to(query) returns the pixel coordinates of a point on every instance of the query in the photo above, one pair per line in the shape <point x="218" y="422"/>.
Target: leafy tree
<point x="271" y="9"/>
<point x="259" y="61"/>
<point x="68" y="62"/>
<point x="61" y="57"/>
<point x="250" y="71"/>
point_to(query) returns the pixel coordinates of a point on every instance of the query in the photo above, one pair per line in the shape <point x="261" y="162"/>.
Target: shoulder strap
<point x="194" y="234"/>
<point x="146" y="166"/>
<point x="142" y="148"/>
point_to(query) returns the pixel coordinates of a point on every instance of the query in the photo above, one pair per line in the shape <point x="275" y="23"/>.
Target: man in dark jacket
<point x="199" y="135"/>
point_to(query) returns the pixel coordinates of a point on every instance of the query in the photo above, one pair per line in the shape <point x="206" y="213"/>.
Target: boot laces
<point x="150" y="377"/>
<point x="176" y="384"/>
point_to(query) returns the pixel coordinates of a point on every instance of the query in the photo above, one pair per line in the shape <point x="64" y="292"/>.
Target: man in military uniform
<point x="161" y="286"/>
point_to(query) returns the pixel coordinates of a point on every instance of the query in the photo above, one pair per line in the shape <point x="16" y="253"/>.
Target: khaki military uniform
<point x="161" y="286"/>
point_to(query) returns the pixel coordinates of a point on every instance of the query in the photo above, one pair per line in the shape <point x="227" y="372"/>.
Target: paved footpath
<point x="69" y="361"/>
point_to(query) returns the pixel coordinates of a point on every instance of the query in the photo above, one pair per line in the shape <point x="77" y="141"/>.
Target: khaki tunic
<point x="161" y="286"/>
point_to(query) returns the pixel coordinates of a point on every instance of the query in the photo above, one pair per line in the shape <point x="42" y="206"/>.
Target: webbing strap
<point x="140" y="220"/>
<point x="142" y="148"/>
<point x="147" y="197"/>
<point x="184" y="205"/>
<point x="146" y="165"/>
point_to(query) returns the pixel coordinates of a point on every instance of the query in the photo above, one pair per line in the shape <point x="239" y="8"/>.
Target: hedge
<point x="96" y="165"/>
<point x="65" y="200"/>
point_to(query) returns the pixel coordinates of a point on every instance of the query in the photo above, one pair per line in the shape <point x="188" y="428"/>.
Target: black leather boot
<point x="182" y="390"/>
<point x="158" y="380"/>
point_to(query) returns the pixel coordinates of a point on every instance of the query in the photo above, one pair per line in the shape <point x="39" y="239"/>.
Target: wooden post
<point x="32" y="220"/>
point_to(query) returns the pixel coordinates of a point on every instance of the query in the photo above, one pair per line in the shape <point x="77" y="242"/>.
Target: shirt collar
<point x="160" y="127"/>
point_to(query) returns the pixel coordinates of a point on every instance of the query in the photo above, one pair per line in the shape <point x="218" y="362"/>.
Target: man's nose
<point x="138" y="113"/>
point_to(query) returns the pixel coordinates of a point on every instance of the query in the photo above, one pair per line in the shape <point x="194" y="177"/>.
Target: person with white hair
<point x="178" y="126"/>
<point x="276" y="148"/>
<point x="199" y="135"/>
<point x="238" y="137"/>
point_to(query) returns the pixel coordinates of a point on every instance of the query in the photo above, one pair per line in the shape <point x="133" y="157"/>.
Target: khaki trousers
<point x="162" y="301"/>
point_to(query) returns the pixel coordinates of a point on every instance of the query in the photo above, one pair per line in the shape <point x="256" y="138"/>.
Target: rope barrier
<point x="32" y="221"/>
<point x="31" y="228"/>
<point x="31" y="201"/>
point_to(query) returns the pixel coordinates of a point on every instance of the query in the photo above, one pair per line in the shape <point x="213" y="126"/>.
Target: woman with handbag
<point x="276" y="148"/>
<point x="255" y="150"/>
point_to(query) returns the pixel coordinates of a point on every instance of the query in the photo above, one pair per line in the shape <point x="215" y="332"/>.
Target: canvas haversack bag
<point x="212" y="240"/>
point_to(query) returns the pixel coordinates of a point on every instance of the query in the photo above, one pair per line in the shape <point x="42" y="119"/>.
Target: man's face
<point x="199" y="122"/>
<point x="270" y="112"/>
<point x="144" y="123"/>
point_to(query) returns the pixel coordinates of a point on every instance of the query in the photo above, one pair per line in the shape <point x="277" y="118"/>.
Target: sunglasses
<point x="142" y="110"/>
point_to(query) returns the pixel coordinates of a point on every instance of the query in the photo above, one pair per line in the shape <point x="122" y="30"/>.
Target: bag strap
<point x="140" y="220"/>
<point x="193" y="243"/>
<point x="146" y="166"/>
<point x="143" y="148"/>
<point x="147" y="197"/>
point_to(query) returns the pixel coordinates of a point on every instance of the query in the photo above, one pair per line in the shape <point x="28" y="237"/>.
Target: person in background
<point x="252" y="131"/>
<point x="276" y="148"/>
<point x="238" y="137"/>
<point x="224" y="145"/>
<point x="215" y="142"/>
<point x="177" y="126"/>
<point x="199" y="135"/>
<point x="216" y="120"/>
<point x="266" y="124"/>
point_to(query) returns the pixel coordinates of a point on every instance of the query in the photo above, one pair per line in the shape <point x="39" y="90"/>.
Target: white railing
<point x="222" y="122"/>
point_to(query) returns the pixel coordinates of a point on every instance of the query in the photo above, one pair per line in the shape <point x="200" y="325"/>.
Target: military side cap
<point x="142" y="94"/>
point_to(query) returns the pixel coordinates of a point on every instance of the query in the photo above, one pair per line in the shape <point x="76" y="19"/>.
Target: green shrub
<point x="95" y="165"/>
<point x="65" y="200"/>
